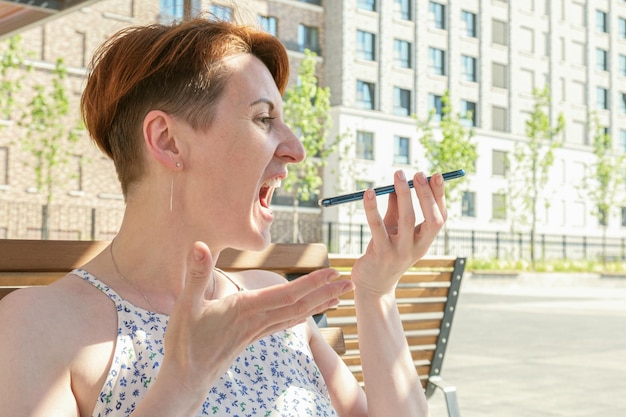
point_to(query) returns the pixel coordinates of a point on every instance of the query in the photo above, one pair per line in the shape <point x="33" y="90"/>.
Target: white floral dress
<point x="275" y="376"/>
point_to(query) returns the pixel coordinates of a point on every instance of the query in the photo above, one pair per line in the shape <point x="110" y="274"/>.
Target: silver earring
<point x="177" y="164"/>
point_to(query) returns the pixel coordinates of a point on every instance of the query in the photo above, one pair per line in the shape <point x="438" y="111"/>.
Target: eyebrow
<point x="263" y="100"/>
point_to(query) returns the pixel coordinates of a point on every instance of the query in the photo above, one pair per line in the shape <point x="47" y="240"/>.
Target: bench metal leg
<point x="449" y="393"/>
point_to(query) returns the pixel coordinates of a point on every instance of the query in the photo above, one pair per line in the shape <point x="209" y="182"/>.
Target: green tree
<point x="605" y="182"/>
<point x="533" y="159"/>
<point x="452" y="149"/>
<point x="307" y="112"/>
<point x="12" y="59"/>
<point x="50" y="139"/>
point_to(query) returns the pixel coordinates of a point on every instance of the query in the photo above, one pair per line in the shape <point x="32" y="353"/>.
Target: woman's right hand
<point x="205" y="336"/>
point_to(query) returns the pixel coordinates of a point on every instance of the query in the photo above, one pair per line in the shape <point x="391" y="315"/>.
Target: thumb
<point x="199" y="270"/>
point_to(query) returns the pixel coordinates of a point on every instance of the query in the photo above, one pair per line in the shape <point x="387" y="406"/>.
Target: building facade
<point x="388" y="62"/>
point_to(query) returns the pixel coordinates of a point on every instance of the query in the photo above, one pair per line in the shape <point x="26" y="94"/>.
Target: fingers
<point x="431" y="197"/>
<point x="199" y="273"/>
<point x="317" y="288"/>
<point x="375" y="222"/>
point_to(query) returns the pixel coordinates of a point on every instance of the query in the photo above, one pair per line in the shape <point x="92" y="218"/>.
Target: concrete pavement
<point x="538" y="346"/>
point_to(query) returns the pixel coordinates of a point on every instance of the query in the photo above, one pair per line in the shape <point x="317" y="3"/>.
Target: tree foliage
<point x="49" y="137"/>
<point x="11" y="61"/>
<point x="605" y="183"/>
<point x="533" y="159"/>
<point x="307" y="112"/>
<point x="453" y="149"/>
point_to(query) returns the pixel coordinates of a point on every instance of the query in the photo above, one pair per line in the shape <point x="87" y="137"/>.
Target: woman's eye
<point x="266" y="120"/>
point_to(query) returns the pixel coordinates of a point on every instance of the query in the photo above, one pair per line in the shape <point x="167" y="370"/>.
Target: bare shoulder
<point x="54" y="312"/>
<point x="44" y="329"/>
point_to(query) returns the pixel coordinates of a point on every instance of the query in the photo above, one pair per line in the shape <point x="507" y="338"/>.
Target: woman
<point x="191" y="115"/>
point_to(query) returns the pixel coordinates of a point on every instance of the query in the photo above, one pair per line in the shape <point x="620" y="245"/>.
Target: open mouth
<point x="267" y="190"/>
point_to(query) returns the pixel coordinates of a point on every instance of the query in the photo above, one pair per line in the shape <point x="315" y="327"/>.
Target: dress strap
<point x="229" y="278"/>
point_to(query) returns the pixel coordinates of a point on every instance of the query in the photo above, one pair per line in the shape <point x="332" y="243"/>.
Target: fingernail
<point x="198" y="254"/>
<point x="401" y="175"/>
<point x="421" y="178"/>
<point x="439" y="179"/>
<point x="370" y="194"/>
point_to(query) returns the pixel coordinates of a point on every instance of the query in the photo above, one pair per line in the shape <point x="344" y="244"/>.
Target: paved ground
<point x="538" y="347"/>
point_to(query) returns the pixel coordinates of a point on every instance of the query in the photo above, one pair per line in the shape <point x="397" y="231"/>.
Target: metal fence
<point x="353" y="239"/>
<point x="25" y="220"/>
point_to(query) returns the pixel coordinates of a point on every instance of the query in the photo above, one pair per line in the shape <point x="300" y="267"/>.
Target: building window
<point x="498" y="206"/>
<point x="365" y="45"/>
<point x="171" y="10"/>
<point x="437" y="61"/>
<point x="4" y="165"/>
<point x="622" y="103"/>
<point x="369" y="5"/>
<point x="224" y="13"/>
<point x="622" y="28"/>
<point x="401" y="150"/>
<point x="401" y="101"/>
<point x="318" y="2"/>
<point x="468" y="113"/>
<point x="602" y="21"/>
<point x="468" y="204"/>
<point x="365" y="145"/>
<point x="469" y="68"/>
<point x="622" y="140"/>
<point x="402" y="9"/>
<point x="365" y="95"/>
<point x="499" y="118"/>
<point x="602" y="59"/>
<point x="468" y="26"/>
<point x="498" y="163"/>
<point x="435" y="107"/>
<point x="269" y="24"/>
<point x="602" y="97"/>
<point x="308" y="38"/>
<point x="402" y="53"/>
<point x="437" y="15"/>
<point x="622" y="65"/>
<point x="498" y="32"/>
<point x="623" y="216"/>
<point x="499" y="75"/>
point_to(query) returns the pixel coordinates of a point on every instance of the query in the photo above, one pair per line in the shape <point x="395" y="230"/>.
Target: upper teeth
<point x="274" y="182"/>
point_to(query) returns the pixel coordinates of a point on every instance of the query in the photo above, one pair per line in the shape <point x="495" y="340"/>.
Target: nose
<point x="290" y="148"/>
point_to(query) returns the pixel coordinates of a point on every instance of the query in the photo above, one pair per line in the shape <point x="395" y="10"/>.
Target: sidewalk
<point x="537" y="346"/>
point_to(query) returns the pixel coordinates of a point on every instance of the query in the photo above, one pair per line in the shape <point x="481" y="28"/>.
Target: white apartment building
<point x="386" y="60"/>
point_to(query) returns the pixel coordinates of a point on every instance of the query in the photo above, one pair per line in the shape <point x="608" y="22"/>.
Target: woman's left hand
<point x="397" y="243"/>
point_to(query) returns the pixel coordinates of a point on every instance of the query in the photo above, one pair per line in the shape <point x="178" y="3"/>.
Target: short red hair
<point x="176" y="68"/>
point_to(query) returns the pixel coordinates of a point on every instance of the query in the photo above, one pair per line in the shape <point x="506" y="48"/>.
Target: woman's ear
<point x="158" y="133"/>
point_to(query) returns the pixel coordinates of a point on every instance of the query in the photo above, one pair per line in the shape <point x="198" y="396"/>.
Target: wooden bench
<point x="25" y="263"/>
<point x="427" y="295"/>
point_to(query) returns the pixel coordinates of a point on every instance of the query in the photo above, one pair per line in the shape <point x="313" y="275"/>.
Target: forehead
<point x="250" y="80"/>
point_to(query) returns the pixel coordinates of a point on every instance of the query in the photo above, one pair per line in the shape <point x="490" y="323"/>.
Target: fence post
<point x="585" y="247"/>
<point x="473" y="240"/>
<point x="93" y="223"/>
<point x="329" y="238"/>
<point x="361" y="238"/>
<point x="497" y="245"/>
<point x="564" y="247"/>
<point x="45" y="222"/>
<point x="520" y="240"/>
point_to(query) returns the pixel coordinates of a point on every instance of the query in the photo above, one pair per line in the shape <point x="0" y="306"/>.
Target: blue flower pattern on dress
<point x="274" y="377"/>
